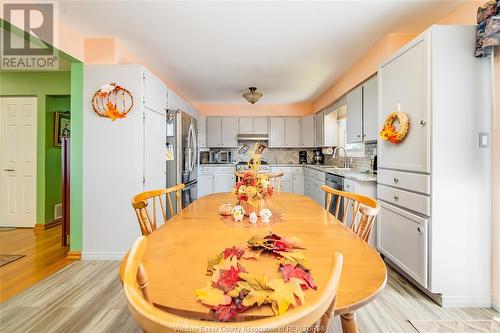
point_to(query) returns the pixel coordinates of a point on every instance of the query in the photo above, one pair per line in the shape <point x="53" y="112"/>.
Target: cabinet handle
<point x="8" y="169"/>
<point x="359" y="135"/>
<point x="423" y="122"/>
<point x="420" y="230"/>
<point x="396" y="197"/>
<point x="396" y="179"/>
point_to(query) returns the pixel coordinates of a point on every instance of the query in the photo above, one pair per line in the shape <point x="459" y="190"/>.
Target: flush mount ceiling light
<point x="253" y="95"/>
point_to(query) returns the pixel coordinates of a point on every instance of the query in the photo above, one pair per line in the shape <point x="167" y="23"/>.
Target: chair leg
<point x="349" y="322"/>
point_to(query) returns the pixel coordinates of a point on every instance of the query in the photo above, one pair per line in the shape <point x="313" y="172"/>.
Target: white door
<point x="245" y="125"/>
<point x="260" y="125"/>
<point x="403" y="86"/>
<point x="354" y="100"/>
<point x="18" y="161"/>
<point x="155" y="93"/>
<point x="229" y="131"/>
<point x="318" y="117"/>
<point x="277" y="133"/>
<point x="155" y="141"/>
<point x="370" y="107"/>
<point x="214" y="128"/>
<point x="307" y="128"/>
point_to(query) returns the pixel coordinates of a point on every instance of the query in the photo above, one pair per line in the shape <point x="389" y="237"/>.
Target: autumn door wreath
<point x="112" y="101"/>
<point x="390" y="133"/>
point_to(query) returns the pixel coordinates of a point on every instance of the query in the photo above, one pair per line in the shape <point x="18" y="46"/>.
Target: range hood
<point x="252" y="137"/>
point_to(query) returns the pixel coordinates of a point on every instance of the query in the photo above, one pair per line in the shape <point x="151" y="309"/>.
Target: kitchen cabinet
<point x="319" y="121"/>
<point x="229" y="132"/>
<point x="223" y="182"/>
<point x="155" y="93"/>
<point x="202" y="131"/>
<point x="298" y="183"/>
<point x="155" y="140"/>
<point x="215" y="179"/>
<point x="354" y="122"/>
<point x="252" y="125"/>
<point x="307" y="131"/>
<point x="292" y="132"/>
<point x="205" y="184"/>
<point x="370" y="109"/>
<point x="277" y="132"/>
<point x="214" y="129"/>
<point x="330" y="128"/>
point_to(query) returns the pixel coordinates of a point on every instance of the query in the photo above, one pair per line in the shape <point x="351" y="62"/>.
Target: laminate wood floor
<point x="86" y="296"/>
<point x="43" y="256"/>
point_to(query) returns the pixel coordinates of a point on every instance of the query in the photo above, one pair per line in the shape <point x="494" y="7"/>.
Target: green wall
<point x="40" y="84"/>
<point x="53" y="182"/>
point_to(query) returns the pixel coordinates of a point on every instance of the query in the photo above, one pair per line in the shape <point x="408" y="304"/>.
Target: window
<point x="352" y="149"/>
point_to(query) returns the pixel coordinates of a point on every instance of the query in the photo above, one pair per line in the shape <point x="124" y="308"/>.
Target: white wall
<point x="112" y="166"/>
<point x="495" y="181"/>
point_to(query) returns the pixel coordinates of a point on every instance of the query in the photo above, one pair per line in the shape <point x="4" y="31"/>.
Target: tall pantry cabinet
<point x="434" y="223"/>
<point x="120" y="158"/>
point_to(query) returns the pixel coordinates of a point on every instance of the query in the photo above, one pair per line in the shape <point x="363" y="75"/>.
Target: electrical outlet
<point x="484" y="140"/>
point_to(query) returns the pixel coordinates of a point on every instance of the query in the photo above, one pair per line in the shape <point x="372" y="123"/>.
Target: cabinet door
<point x="229" y="132"/>
<point x="354" y="122"/>
<point x="155" y="93"/>
<point x="205" y="185"/>
<point x="331" y="136"/>
<point x="202" y="132"/>
<point x="223" y="182"/>
<point x="403" y="86"/>
<point x="397" y="227"/>
<point x="319" y="119"/>
<point x="370" y="107"/>
<point x="260" y="125"/>
<point x="307" y="129"/>
<point x="245" y="125"/>
<point x="155" y="141"/>
<point x="173" y="101"/>
<point x="214" y="132"/>
<point x="292" y="132"/>
<point x="277" y="133"/>
<point x="298" y="184"/>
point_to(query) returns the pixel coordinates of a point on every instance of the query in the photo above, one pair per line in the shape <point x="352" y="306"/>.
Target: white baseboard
<point x="496" y="305"/>
<point x="102" y="255"/>
<point x="465" y="302"/>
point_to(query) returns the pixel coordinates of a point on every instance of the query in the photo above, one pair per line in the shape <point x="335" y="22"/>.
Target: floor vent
<point x="57" y="211"/>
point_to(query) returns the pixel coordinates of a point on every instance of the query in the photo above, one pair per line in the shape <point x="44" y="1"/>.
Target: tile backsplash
<point x="291" y="155"/>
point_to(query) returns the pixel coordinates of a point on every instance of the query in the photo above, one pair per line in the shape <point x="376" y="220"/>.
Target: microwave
<point x="222" y="156"/>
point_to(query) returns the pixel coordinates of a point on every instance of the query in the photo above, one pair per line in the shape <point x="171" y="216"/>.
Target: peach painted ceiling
<point x="212" y="51"/>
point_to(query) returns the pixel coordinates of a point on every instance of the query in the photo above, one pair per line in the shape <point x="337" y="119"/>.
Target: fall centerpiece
<point x="253" y="189"/>
<point x="232" y="290"/>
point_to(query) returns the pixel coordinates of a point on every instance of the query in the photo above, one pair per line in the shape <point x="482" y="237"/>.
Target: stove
<point x="243" y="166"/>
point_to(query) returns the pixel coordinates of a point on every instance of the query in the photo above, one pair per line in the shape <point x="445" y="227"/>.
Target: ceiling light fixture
<point x="252" y="96"/>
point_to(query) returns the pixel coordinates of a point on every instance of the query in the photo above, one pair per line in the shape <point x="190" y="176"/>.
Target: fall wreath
<point x="232" y="290"/>
<point x="112" y="101"/>
<point x="390" y="133"/>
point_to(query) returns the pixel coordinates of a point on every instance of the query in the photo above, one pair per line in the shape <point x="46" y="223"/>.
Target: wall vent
<point x="57" y="211"/>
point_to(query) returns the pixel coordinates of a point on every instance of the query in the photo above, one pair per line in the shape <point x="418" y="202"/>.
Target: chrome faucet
<point x="344" y="162"/>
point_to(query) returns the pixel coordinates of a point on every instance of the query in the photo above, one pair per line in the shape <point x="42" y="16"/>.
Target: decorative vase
<point x="262" y="203"/>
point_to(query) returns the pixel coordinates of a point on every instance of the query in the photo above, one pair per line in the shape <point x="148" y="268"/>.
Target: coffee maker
<point x="318" y="157"/>
<point x="302" y="157"/>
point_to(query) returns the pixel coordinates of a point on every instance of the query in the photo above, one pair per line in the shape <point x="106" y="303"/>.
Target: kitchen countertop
<point x="349" y="174"/>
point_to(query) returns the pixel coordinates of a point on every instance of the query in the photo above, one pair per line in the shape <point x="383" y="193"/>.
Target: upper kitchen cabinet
<point x="277" y="132"/>
<point x="252" y="125"/>
<point x="213" y="131"/>
<point x="404" y="87"/>
<point x="155" y="93"/>
<point x="202" y="131"/>
<point x="229" y="131"/>
<point x="292" y="132"/>
<point x="354" y="124"/>
<point x="319" y="121"/>
<point x="370" y="107"/>
<point x="217" y="137"/>
<point x="307" y="131"/>
<point x="330" y="128"/>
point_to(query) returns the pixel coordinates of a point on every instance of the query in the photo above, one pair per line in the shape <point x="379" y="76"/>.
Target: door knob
<point x="423" y="122"/>
<point x="420" y="230"/>
<point x="396" y="197"/>
<point x="8" y="170"/>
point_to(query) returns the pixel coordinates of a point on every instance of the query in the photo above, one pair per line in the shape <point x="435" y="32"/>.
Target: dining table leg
<point x="349" y="322"/>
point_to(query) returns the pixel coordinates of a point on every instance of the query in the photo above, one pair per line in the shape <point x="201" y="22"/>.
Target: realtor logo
<point x="28" y="37"/>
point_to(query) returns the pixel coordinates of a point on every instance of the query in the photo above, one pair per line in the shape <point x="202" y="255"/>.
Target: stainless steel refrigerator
<point x="182" y="134"/>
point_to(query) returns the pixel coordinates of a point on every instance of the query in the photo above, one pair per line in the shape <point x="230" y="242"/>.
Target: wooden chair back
<point x="153" y="319"/>
<point x="364" y="207"/>
<point x="274" y="178"/>
<point x="147" y="204"/>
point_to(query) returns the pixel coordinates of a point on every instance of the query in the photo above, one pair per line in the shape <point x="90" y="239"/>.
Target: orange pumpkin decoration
<point x="112" y="101"/>
<point x="226" y="209"/>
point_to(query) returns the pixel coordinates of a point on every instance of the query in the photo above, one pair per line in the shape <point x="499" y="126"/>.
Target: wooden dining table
<point x="177" y="254"/>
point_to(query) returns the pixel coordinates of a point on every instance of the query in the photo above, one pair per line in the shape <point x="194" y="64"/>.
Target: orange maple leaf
<point x="113" y="112"/>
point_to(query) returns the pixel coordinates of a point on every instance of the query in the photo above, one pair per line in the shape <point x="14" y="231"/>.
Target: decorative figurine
<point x="253" y="217"/>
<point x="238" y="213"/>
<point x="266" y="214"/>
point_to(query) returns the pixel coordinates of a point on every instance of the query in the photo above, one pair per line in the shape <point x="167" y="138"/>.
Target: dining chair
<point x="153" y="320"/>
<point x="147" y="204"/>
<point x="274" y="178"/>
<point x="365" y="206"/>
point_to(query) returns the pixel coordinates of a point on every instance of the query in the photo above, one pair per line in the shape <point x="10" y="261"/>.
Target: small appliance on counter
<point x="375" y="164"/>
<point x="318" y="157"/>
<point x="302" y="157"/>
<point x="222" y="156"/>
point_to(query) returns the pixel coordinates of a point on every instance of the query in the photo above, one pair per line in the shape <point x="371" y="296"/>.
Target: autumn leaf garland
<point x="233" y="290"/>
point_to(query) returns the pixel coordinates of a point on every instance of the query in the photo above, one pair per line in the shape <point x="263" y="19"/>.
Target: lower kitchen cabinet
<point x="298" y="183"/>
<point x="215" y="179"/>
<point x="224" y="182"/>
<point x="205" y="184"/>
